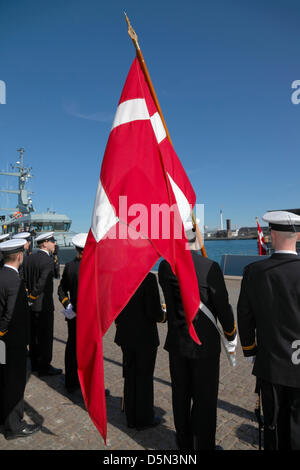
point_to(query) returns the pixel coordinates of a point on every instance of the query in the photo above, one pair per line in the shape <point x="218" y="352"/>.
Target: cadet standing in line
<point x="14" y="334"/>
<point x="3" y="237"/>
<point x="67" y="293"/>
<point x="137" y="335"/>
<point x="27" y="237"/>
<point x="24" y="236"/>
<point x="194" y="369"/>
<point x="269" y="329"/>
<point x="38" y="275"/>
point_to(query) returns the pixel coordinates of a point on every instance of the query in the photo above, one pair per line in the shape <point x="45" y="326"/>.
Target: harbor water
<point x="215" y="249"/>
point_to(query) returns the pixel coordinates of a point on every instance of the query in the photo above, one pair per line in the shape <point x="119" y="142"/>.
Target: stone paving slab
<point x="66" y="424"/>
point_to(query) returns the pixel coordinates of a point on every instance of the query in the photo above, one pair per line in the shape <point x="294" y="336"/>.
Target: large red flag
<point x="140" y="174"/>
<point x="262" y="247"/>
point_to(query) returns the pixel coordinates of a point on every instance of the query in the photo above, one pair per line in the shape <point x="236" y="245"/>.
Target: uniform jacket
<point x="22" y="267"/>
<point x="38" y="274"/>
<point x="213" y="294"/>
<point x="14" y="312"/>
<point x="68" y="287"/>
<point x="136" y="324"/>
<point x="269" y="317"/>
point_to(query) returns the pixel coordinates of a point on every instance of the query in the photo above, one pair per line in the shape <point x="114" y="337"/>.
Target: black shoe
<point x="50" y="371"/>
<point x="27" y="430"/>
<point x="156" y="421"/>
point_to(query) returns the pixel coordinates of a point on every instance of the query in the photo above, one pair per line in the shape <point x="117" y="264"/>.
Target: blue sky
<point x="222" y="71"/>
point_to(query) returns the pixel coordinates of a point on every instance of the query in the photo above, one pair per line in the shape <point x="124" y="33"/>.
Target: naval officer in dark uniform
<point x="38" y="275"/>
<point x="67" y="293"/>
<point x="27" y="237"/>
<point x="136" y="333"/>
<point x="3" y="237"/>
<point x="14" y="337"/>
<point x="269" y="329"/>
<point x="24" y="236"/>
<point x="194" y="369"/>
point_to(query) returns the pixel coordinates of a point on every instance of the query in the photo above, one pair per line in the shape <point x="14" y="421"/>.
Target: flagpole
<point x="142" y="62"/>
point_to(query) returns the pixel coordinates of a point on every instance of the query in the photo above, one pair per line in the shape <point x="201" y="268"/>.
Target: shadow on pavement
<point x="248" y="433"/>
<point x="36" y="418"/>
<point x="158" y="437"/>
<point x="235" y="409"/>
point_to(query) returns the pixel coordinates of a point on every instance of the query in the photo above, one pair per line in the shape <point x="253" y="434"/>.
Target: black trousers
<point x="41" y="339"/>
<point x="281" y="410"/>
<point x="12" y="387"/>
<point x="138" y="370"/>
<point x="71" y="375"/>
<point x="195" y="385"/>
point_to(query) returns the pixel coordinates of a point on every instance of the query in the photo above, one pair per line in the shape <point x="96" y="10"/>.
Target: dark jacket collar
<point x="284" y="256"/>
<point x="43" y="252"/>
<point x="10" y="270"/>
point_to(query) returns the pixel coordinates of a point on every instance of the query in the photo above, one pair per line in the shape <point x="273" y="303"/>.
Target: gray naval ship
<point x="23" y="217"/>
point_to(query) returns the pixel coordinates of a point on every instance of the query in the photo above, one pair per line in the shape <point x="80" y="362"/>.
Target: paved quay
<point x="66" y="424"/>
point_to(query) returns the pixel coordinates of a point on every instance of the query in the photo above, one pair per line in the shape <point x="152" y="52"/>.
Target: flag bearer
<point x="194" y="368"/>
<point x="67" y="293"/>
<point x="14" y="337"/>
<point x="269" y="329"/>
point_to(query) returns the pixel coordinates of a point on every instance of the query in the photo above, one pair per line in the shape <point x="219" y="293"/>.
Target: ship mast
<point x="23" y="174"/>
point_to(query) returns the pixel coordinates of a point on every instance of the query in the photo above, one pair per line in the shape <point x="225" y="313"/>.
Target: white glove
<point x="68" y="312"/>
<point x="250" y="359"/>
<point x="231" y="345"/>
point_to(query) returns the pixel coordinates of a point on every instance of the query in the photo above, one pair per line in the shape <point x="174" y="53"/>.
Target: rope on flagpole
<point x="142" y="62"/>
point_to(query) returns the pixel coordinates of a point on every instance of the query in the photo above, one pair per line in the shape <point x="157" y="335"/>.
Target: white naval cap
<point x="283" y="221"/>
<point x="21" y="235"/>
<point x="79" y="240"/>
<point x="4" y="236"/>
<point x="12" y="246"/>
<point x="44" y="236"/>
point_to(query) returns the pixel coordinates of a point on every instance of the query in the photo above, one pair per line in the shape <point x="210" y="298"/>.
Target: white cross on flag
<point x="140" y="172"/>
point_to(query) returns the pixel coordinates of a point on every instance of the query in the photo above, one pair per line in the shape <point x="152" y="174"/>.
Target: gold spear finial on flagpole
<point x="142" y="62"/>
<point x="132" y="33"/>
